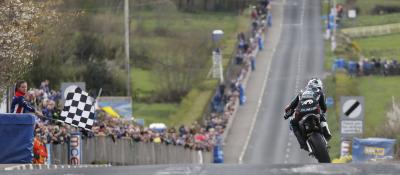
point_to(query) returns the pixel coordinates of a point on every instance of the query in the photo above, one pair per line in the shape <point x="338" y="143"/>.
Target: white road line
<point x="299" y="67"/>
<point x="16" y="167"/>
<point x="299" y="58"/>
<point x="255" y="115"/>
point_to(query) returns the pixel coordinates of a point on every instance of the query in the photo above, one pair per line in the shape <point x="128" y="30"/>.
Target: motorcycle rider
<point x="311" y="100"/>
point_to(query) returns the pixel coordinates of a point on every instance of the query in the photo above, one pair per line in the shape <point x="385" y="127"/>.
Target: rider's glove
<point x="286" y="116"/>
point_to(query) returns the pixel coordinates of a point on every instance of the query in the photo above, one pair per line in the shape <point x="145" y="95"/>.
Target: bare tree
<point x="181" y="66"/>
<point x="20" y="21"/>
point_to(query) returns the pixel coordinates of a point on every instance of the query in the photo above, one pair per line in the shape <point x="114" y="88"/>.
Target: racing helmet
<point x="315" y="82"/>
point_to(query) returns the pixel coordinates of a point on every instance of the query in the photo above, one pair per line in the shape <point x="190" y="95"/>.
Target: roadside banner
<point x="48" y="147"/>
<point x="372" y="149"/>
<point x="121" y="106"/>
<point x="75" y="148"/>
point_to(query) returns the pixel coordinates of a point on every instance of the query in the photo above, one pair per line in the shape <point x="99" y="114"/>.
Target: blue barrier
<point x="218" y="153"/>
<point x="242" y="98"/>
<point x="260" y="43"/>
<point x="217" y="104"/>
<point x="372" y="148"/>
<point x="340" y="63"/>
<point x="16" y="138"/>
<point x="269" y="20"/>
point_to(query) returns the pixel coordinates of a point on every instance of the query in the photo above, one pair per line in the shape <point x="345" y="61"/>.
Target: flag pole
<point x="99" y="94"/>
<point x="95" y="100"/>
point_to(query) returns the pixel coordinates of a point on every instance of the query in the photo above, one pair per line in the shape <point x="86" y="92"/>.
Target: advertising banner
<point x="75" y="147"/>
<point x="372" y="149"/>
<point x="120" y="105"/>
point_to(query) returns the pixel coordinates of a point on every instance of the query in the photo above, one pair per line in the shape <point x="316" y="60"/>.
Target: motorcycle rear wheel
<point x="319" y="148"/>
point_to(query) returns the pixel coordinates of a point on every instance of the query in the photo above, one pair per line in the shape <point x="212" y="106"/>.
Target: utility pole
<point x="127" y="65"/>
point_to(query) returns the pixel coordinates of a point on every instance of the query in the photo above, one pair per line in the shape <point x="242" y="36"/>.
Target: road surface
<point x="296" y="57"/>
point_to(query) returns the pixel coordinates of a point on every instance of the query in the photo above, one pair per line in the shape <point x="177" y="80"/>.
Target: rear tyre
<point x="319" y="148"/>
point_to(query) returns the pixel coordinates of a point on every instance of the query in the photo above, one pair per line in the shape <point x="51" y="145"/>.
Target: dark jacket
<point x="295" y="102"/>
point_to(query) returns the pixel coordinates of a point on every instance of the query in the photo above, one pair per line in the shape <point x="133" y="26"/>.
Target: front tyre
<point x="319" y="147"/>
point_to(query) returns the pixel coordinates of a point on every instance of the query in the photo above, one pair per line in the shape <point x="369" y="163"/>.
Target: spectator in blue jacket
<point x="19" y="104"/>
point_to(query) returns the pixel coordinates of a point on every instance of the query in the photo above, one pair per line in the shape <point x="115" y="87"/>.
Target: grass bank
<point x="382" y="46"/>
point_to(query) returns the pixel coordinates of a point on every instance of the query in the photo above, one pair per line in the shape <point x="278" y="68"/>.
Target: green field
<point x="378" y="92"/>
<point x="371" y="20"/>
<point x="382" y="46"/>
<point x="154" y="113"/>
<point x="143" y="82"/>
<point x="189" y="110"/>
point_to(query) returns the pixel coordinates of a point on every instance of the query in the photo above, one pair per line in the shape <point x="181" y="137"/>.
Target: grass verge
<point x="382" y="46"/>
<point x="154" y="113"/>
<point x="371" y="20"/>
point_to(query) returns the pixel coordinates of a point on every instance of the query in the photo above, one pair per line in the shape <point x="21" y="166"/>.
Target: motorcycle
<point x="311" y="130"/>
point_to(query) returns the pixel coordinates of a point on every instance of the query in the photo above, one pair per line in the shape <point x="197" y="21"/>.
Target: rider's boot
<point x="300" y="138"/>
<point x="325" y="128"/>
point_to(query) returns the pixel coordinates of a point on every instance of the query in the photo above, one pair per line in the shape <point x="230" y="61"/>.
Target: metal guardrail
<point x="102" y="150"/>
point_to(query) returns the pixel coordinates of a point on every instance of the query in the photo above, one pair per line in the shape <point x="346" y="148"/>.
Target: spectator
<point x="19" y="104"/>
<point x="254" y="13"/>
<point x="39" y="150"/>
<point x="241" y="37"/>
<point x="157" y="138"/>
<point x="44" y="86"/>
<point x="51" y="112"/>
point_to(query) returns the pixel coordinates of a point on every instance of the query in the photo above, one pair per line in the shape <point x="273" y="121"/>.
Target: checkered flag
<point x="78" y="109"/>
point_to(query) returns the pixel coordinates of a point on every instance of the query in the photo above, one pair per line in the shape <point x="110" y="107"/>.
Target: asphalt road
<point x="225" y="169"/>
<point x="298" y="57"/>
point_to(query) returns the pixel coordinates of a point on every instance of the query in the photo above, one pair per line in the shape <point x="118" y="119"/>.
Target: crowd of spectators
<point x="368" y="67"/>
<point x="194" y="136"/>
<point x="51" y="131"/>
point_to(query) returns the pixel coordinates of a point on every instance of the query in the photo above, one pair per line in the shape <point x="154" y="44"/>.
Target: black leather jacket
<point x="295" y="102"/>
